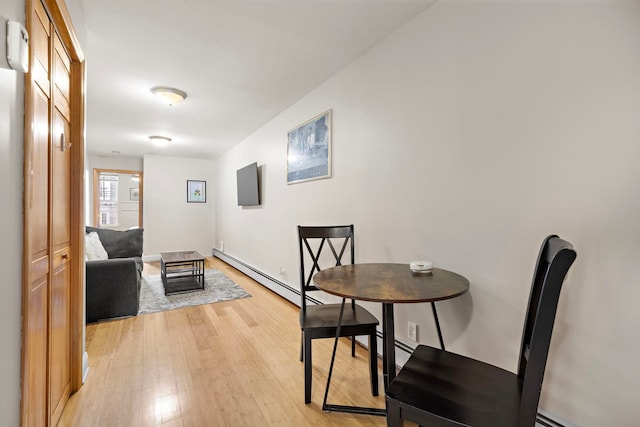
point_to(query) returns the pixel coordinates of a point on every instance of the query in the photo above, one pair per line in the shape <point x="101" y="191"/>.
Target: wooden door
<point x="53" y="218"/>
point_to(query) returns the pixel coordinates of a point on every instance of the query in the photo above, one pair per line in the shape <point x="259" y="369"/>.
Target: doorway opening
<point x="117" y="199"/>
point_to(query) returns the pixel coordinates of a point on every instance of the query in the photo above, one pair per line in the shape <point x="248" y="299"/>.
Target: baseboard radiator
<point x="544" y="419"/>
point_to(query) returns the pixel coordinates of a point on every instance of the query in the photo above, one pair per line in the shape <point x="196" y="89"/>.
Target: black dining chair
<point x="439" y="388"/>
<point x="327" y="246"/>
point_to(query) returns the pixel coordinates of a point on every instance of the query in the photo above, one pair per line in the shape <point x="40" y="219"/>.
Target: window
<point x="117" y="198"/>
<point x="108" y="187"/>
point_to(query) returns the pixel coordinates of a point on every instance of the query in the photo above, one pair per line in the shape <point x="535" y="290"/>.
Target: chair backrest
<point x="554" y="260"/>
<point x="322" y="247"/>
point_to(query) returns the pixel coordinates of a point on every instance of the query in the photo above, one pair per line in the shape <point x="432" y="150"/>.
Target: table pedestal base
<point x="381" y="412"/>
<point x="388" y="359"/>
<point x="343" y="408"/>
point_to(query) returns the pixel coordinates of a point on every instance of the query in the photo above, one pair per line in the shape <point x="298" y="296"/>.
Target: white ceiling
<point x="241" y="62"/>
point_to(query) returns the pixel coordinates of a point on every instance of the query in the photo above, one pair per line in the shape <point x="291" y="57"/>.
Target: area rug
<point x="217" y="288"/>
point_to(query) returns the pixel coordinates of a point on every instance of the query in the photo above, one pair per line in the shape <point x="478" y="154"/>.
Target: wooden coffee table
<point x="182" y="271"/>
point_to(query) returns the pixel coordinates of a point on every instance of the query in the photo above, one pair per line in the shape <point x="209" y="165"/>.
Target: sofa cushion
<point x="120" y="244"/>
<point x="93" y="248"/>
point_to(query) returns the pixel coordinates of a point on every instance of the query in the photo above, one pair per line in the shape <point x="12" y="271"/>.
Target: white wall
<point x="11" y="187"/>
<point x="465" y="138"/>
<point x="170" y="223"/>
<point x="116" y="162"/>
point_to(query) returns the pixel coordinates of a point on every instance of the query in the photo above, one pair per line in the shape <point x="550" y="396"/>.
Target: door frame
<point x="96" y="191"/>
<point x="61" y="19"/>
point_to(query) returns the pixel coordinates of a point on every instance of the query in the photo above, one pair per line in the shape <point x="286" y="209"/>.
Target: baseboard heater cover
<point x="287" y="292"/>
<point x="547" y="419"/>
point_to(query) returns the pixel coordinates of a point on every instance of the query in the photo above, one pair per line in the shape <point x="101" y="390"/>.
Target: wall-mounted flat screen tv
<point x="248" y="185"/>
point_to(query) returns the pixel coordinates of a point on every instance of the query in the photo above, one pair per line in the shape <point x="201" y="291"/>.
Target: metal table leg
<point x="344" y="408"/>
<point x="435" y="317"/>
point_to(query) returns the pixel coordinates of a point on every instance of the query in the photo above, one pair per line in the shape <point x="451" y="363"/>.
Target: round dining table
<point x="389" y="284"/>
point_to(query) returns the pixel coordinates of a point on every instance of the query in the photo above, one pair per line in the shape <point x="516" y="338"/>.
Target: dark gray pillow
<point x="120" y="244"/>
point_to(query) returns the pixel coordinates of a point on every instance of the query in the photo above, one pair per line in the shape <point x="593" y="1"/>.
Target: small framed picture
<point x="196" y="191"/>
<point x="309" y="150"/>
<point x="134" y="194"/>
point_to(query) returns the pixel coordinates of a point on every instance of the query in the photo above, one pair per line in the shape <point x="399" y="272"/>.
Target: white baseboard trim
<point x="403" y="350"/>
<point x="85" y="366"/>
<point x="151" y="258"/>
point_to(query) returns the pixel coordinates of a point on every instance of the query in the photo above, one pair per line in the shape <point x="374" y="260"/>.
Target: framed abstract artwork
<point x="309" y="150"/>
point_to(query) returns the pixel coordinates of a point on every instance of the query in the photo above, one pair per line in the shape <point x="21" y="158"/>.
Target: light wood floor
<point x="225" y="364"/>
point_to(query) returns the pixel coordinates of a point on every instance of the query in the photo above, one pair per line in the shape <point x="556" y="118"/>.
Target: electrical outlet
<point x="281" y="272"/>
<point x="412" y="331"/>
<point x="222" y="245"/>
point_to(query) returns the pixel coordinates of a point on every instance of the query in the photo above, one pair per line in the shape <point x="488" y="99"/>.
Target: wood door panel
<point x="37" y="210"/>
<point x="60" y="184"/>
<point x="38" y="165"/>
<point x="39" y="43"/>
<point x="60" y="245"/>
<point x="61" y="75"/>
<point x="36" y="350"/>
<point x="59" y="341"/>
<point x="39" y="267"/>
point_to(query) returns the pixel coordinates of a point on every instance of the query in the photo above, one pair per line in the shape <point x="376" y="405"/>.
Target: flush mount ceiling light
<point x="169" y="95"/>
<point x="160" y="140"/>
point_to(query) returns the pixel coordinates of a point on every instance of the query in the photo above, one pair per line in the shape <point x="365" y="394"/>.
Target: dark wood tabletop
<point x="181" y="256"/>
<point x="390" y="283"/>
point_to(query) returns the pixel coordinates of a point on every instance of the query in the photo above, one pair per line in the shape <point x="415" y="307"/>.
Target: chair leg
<point x="307" y="368"/>
<point x="353" y="346"/>
<point x="301" y="345"/>
<point x="373" y="363"/>
<point x="393" y="415"/>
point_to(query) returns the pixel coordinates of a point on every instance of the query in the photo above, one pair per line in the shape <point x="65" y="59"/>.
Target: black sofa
<point x="113" y="285"/>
